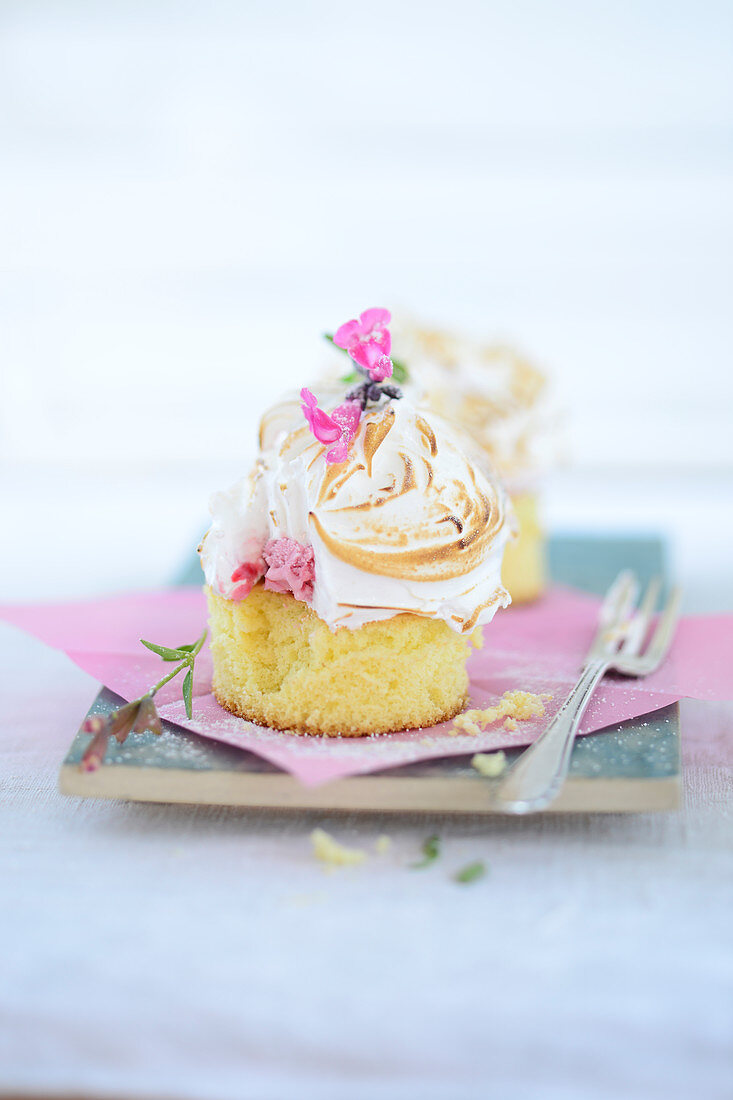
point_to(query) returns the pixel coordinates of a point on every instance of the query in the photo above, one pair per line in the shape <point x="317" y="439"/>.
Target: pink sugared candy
<point x="290" y="568"/>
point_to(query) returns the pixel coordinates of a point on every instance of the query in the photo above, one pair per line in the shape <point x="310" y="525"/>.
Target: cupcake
<point x="348" y="576"/>
<point x="502" y="400"/>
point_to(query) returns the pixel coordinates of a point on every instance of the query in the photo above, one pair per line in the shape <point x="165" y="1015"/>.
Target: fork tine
<point x="619" y="599"/>
<point x="662" y="637"/>
<point x="639" y="625"/>
<point x="617" y="604"/>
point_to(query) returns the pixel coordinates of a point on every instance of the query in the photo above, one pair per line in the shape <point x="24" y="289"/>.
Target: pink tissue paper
<point x="537" y="648"/>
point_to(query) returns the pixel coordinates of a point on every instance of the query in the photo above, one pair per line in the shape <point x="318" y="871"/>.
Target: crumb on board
<point x="514" y="706"/>
<point x="331" y="852"/>
<point x="489" y="764"/>
<point x="383" y="844"/>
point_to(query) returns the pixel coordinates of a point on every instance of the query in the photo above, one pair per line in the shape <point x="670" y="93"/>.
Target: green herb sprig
<point x="471" y="872"/>
<point x="430" y="851"/>
<point x="141" y="714"/>
<point x="186" y="655"/>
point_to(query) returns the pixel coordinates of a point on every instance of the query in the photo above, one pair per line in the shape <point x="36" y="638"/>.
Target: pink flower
<point x="290" y="568"/>
<point x="323" y="427"/>
<point x="382" y="369"/>
<point x="367" y="339"/>
<point x="339" y="428"/>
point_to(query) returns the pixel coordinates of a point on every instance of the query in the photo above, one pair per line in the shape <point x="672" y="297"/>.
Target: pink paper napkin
<point x="537" y="648"/>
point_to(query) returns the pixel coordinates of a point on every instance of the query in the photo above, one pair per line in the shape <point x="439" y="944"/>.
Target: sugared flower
<point x="367" y="339"/>
<point x="339" y="428"/>
<point x="382" y="369"/>
<point x="324" y="428"/>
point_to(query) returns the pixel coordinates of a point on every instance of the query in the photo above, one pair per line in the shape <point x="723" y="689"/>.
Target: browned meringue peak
<point x="413" y="520"/>
<point x="491" y="389"/>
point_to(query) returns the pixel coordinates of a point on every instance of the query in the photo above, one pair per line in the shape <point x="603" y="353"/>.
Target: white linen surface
<point x="173" y="951"/>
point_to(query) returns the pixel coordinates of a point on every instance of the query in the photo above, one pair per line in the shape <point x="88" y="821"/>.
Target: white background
<point x="190" y="194"/>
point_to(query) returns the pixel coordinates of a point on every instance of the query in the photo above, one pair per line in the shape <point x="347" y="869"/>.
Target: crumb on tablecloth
<point x="331" y="852"/>
<point x="489" y="764"/>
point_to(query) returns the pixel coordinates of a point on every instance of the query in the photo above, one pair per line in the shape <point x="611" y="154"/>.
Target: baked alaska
<point x="502" y="400"/>
<point x="349" y="574"/>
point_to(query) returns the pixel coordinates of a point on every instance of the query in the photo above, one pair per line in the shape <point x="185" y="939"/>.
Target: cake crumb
<point x="384" y="843"/>
<point x="514" y="706"/>
<point x="489" y="764"/>
<point x="477" y="638"/>
<point x="331" y="852"/>
<point x="466" y="723"/>
<point x="510" y="724"/>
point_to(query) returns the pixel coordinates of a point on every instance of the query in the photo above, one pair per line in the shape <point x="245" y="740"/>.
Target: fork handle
<point x="535" y="779"/>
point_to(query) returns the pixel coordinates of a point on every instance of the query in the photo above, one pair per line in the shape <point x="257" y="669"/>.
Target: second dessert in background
<point x="347" y="576"/>
<point x="501" y="398"/>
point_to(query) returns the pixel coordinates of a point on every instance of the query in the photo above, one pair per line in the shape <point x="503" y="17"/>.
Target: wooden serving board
<point x="632" y="767"/>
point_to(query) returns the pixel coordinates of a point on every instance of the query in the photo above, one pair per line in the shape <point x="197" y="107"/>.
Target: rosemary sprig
<point x="141" y="714"/>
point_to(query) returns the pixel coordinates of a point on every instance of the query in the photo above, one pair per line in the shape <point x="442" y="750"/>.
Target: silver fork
<point x="534" y="781"/>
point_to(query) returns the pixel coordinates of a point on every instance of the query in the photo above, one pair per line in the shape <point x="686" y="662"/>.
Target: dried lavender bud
<point x="392" y="391"/>
<point x="374" y="392"/>
<point x="359" y="394"/>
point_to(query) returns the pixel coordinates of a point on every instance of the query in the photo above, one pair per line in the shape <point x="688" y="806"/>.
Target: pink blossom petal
<point x="308" y="398"/>
<point x="347" y="416"/>
<point x="323" y="427"/>
<point x="374" y="318"/>
<point x="347" y="333"/>
<point x="366" y="353"/>
<point x="384" y="337"/>
<point x="382" y="369"/>
<point x="338" y="453"/>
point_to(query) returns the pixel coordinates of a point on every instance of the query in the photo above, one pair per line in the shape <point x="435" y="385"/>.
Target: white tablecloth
<point x="171" y="951"/>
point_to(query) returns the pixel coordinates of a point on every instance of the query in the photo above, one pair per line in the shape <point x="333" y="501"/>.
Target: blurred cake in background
<point x="502" y="399"/>
<point x="348" y="575"/>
